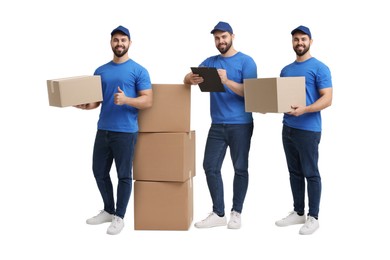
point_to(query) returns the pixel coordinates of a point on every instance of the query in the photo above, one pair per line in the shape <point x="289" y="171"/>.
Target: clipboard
<point x="212" y="81"/>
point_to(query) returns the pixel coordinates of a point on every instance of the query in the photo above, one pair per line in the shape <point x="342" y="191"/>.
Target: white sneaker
<point x="311" y="225"/>
<point x="100" y="218"/>
<point x="235" y="220"/>
<point x="116" y="226"/>
<point x="292" y="219"/>
<point x="213" y="220"/>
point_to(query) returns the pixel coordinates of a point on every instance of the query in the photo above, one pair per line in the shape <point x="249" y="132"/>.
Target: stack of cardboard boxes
<point x="164" y="161"/>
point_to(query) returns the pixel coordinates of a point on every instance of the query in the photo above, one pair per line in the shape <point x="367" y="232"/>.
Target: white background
<point x="47" y="189"/>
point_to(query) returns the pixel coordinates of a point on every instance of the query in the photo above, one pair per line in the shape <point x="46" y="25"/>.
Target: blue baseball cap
<point x="224" y="27"/>
<point x="122" y="30"/>
<point x="303" y="29"/>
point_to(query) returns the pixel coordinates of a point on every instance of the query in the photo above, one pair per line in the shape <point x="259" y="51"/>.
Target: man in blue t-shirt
<point x="126" y="88"/>
<point x="301" y="132"/>
<point x="231" y="127"/>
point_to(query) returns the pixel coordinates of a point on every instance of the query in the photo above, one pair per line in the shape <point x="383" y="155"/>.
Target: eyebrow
<point x="302" y="37"/>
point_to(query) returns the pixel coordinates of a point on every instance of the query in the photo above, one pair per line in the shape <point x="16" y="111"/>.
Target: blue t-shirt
<point x="317" y="76"/>
<point x="131" y="78"/>
<point x="228" y="107"/>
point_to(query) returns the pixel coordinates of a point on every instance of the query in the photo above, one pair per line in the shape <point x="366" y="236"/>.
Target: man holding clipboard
<point x="231" y="126"/>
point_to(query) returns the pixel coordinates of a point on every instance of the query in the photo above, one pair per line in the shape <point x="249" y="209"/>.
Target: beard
<point x="224" y="48"/>
<point x="119" y="53"/>
<point x="300" y="53"/>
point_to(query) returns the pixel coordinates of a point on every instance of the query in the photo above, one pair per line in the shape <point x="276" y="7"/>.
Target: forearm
<point x="235" y="87"/>
<point x="139" y="102"/>
<point x="319" y="105"/>
<point x="323" y="102"/>
<point x="144" y="100"/>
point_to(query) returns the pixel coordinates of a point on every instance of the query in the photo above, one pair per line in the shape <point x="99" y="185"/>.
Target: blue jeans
<point x="116" y="146"/>
<point x="301" y="149"/>
<point x="238" y="138"/>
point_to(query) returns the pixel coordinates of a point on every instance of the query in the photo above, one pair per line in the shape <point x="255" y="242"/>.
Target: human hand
<point x="195" y="79"/>
<point x="81" y="106"/>
<point x="119" y="97"/>
<point x="297" y="110"/>
<point x="223" y="75"/>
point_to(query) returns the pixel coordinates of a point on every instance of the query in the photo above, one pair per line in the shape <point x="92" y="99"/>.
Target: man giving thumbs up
<point x="126" y="88"/>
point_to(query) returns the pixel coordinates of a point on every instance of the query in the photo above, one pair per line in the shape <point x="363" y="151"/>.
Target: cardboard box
<point x="74" y="91"/>
<point x="170" y="112"/>
<point x="164" y="157"/>
<point x="163" y="205"/>
<point x="274" y="95"/>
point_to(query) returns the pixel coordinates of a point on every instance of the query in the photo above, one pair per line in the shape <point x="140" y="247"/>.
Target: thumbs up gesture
<point x="119" y="97"/>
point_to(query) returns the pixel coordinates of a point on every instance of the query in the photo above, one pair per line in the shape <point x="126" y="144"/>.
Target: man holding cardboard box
<point x="126" y="88"/>
<point x="302" y="132"/>
<point x="231" y="127"/>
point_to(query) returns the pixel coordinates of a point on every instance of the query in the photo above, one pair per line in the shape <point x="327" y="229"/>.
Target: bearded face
<point x="224" y="47"/>
<point x="301" y="44"/>
<point x="120" y="44"/>
<point x="223" y="41"/>
<point x="119" y="51"/>
<point x="301" y="49"/>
